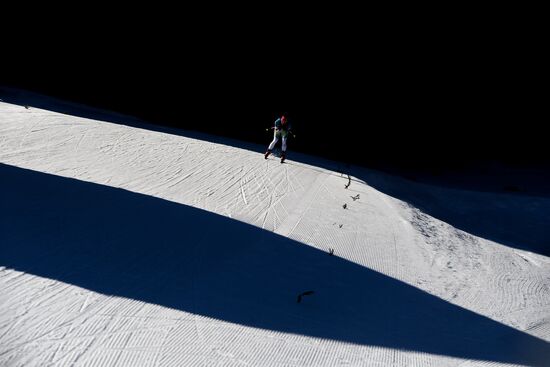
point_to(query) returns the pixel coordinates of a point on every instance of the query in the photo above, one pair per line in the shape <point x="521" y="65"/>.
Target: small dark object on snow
<point x="341" y="225"/>
<point x="306" y="293"/>
<point x="345" y="206"/>
<point x="349" y="182"/>
<point x="27" y="107"/>
<point x="331" y="251"/>
<point x="356" y="197"/>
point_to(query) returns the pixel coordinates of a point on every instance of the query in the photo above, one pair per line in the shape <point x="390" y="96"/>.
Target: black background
<point x="378" y="92"/>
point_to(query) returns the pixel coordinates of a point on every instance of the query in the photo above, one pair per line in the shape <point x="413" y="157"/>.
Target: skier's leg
<point x="275" y="140"/>
<point x="283" y="148"/>
<point x="272" y="145"/>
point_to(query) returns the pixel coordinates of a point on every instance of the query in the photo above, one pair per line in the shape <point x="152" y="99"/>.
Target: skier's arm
<point x="290" y="132"/>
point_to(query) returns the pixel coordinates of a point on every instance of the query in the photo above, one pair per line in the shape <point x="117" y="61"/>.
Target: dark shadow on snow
<point x="130" y="245"/>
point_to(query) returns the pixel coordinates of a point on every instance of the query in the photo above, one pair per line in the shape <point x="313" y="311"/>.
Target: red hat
<point x="283" y="119"/>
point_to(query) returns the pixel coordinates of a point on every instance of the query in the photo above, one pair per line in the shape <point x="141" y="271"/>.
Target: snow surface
<point x="130" y="245"/>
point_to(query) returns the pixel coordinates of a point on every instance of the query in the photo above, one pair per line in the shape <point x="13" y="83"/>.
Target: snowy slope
<point x="125" y="245"/>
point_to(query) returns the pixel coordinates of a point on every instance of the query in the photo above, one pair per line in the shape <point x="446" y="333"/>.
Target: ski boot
<point x="267" y="153"/>
<point x="283" y="156"/>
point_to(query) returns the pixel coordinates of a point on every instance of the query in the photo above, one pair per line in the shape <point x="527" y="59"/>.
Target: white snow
<point x="128" y="246"/>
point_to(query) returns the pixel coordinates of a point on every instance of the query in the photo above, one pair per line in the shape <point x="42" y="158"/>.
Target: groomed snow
<point x="124" y="245"/>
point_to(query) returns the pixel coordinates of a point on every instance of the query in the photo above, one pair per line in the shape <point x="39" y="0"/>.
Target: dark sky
<point x="407" y="96"/>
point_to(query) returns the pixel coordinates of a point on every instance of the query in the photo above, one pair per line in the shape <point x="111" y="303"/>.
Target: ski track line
<point x="279" y="197"/>
<point x="29" y="308"/>
<point x="398" y="270"/>
<point x="264" y="187"/>
<point x="266" y="211"/>
<point x="81" y="139"/>
<point x="28" y="132"/>
<point x="271" y="194"/>
<point x="82" y="318"/>
<point x="44" y="333"/>
<point x="112" y="145"/>
<point x="116" y="335"/>
<point x="160" y="349"/>
<point x="301" y="207"/>
<point x="241" y="182"/>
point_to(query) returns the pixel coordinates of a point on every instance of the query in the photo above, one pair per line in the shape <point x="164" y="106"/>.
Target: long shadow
<point x="512" y="218"/>
<point x="130" y="245"/>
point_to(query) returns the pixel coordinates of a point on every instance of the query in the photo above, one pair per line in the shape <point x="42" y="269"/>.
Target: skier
<point x="281" y="130"/>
